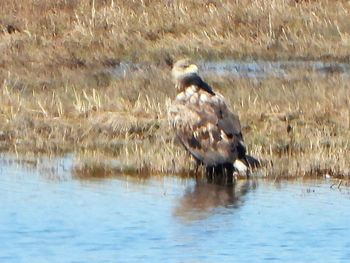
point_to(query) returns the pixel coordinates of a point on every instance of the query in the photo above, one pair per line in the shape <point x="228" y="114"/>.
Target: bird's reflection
<point x="203" y="199"/>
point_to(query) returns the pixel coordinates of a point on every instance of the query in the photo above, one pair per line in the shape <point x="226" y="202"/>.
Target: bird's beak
<point x="191" y="69"/>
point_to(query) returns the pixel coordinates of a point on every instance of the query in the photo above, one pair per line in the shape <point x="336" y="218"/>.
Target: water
<point x="279" y="69"/>
<point x="48" y="215"/>
<point x="254" y="69"/>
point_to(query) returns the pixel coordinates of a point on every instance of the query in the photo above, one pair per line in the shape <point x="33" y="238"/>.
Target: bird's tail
<point x="252" y="162"/>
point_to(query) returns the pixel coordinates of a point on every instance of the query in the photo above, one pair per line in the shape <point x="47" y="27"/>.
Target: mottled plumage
<point x="203" y="122"/>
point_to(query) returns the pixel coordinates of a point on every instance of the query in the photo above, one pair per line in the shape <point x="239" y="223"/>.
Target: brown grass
<point x="57" y="97"/>
<point x="48" y="43"/>
<point x="111" y="126"/>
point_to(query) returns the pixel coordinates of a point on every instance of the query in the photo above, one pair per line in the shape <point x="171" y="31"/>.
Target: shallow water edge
<point x="255" y="69"/>
<point x="49" y="214"/>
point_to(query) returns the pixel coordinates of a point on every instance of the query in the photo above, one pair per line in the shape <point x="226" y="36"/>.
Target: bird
<point x="204" y="124"/>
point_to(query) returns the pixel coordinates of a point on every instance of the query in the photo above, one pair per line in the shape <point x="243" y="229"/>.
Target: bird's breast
<point x="190" y="94"/>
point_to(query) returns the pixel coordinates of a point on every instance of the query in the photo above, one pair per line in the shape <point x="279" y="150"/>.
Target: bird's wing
<point x="230" y="124"/>
<point x="206" y="127"/>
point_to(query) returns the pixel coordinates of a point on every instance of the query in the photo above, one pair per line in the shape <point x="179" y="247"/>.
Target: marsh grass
<point x="57" y="97"/>
<point x="299" y="127"/>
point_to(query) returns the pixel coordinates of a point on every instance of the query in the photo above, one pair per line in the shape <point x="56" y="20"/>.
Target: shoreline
<point x="129" y="124"/>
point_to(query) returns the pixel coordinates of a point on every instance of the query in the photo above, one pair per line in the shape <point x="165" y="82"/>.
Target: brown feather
<point x="206" y="127"/>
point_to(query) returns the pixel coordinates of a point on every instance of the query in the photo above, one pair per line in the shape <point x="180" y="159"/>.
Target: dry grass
<point x="112" y="127"/>
<point x="57" y="97"/>
<point x="52" y="43"/>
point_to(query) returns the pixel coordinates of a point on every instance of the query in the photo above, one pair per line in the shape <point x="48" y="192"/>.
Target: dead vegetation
<point x="51" y="43"/>
<point x="301" y="126"/>
<point x="57" y="95"/>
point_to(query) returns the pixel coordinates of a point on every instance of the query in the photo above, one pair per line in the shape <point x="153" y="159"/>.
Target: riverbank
<point x="301" y="125"/>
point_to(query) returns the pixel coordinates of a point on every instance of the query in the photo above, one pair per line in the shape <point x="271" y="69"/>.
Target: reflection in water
<point x="49" y="168"/>
<point x="202" y="199"/>
<point x="124" y="219"/>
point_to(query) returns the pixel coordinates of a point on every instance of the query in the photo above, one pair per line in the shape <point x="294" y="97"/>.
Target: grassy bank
<point x="57" y="97"/>
<point x="126" y="121"/>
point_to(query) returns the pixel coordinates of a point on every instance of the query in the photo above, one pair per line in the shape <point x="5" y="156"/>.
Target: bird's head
<point x="183" y="69"/>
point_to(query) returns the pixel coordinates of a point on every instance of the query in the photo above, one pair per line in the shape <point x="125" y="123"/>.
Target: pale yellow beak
<point x="191" y="69"/>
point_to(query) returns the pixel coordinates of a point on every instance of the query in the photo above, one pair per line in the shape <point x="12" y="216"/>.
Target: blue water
<point x="49" y="215"/>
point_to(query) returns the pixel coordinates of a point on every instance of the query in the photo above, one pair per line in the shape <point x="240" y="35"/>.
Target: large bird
<point x="203" y="122"/>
